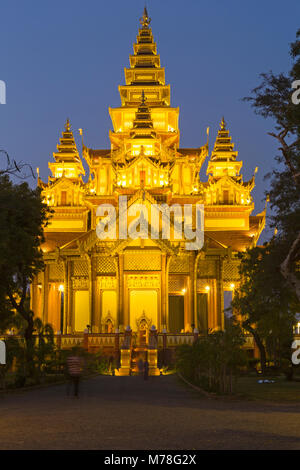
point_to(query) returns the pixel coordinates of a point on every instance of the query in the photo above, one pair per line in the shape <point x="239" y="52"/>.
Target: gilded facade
<point x="111" y="283"/>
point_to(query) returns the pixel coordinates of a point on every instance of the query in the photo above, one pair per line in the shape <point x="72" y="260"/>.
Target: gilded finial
<point x="67" y="125"/>
<point x="145" y="20"/>
<point x="223" y="124"/>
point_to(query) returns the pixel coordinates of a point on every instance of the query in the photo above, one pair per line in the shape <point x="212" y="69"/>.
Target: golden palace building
<point x="112" y="283"/>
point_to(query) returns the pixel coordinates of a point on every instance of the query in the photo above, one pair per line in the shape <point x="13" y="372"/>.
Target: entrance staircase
<point x="133" y="352"/>
<point x="139" y="351"/>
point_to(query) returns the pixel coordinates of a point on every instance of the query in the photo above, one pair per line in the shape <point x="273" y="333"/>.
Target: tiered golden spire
<point x="223" y="149"/>
<point x="143" y="116"/>
<point x="145" y="71"/>
<point x="67" y="155"/>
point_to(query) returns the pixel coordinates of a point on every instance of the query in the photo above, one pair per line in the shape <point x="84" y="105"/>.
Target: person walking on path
<point x="74" y="367"/>
<point x="146" y="369"/>
<point x="140" y="365"/>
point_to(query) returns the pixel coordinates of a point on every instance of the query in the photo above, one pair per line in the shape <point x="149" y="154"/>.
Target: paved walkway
<point x="128" y="413"/>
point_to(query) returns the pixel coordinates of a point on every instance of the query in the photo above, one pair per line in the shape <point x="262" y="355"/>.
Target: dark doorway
<point x="202" y="311"/>
<point x="176" y="313"/>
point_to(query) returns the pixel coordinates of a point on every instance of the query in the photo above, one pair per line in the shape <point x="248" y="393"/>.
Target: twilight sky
<point x="66" y="58"/>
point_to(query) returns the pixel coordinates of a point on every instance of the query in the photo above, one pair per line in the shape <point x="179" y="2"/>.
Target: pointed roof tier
<point x="67" y="160"/>
<point x="145" y="70"/>
<point x="223" y="157"/>
<point x="223" y="149"/>
<point x="145" y="74"/>
<point x="143" y="124"/>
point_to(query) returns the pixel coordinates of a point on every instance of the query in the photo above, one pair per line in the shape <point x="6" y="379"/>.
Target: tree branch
<point x="285" y="150"/>
<point x="287" y="267"/>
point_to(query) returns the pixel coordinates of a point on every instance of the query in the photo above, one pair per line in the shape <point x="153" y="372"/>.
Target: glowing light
<point x="207" y="288"/>
<point x="61" y="288"/>
<point x="232" y="286"/>
<point x="183" y="290"/>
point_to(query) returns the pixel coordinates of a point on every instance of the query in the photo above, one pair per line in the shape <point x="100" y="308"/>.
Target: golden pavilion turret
<point x="116" y="281"/>
<point x="67" y="160"/>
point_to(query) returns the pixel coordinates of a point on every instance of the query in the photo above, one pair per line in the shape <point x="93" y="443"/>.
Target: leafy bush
<point x="213" y="361"/>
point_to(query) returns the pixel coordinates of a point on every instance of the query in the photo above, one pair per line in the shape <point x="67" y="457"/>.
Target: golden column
<point x="91" y="297"/>
<point x="166" y="325"/>
<point x="164" y="282"/>
<point x="45" y="292"/>
<point x="196" y="288"/>
<point x="191" y="289"/>
<point x="121" y="291"/>
<point x="94" y="321"/>
<point x="220" y="294"/>
<point x="70" y="299"/>
<point x="66" y="296"/>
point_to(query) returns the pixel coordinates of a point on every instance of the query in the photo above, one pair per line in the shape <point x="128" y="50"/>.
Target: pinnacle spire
<point x="145" y="20"/>
<point x="223" y="124"/>
<point x="224" y="147"/>
<point x="67" y="149"/>
<point x="67" y="125"/>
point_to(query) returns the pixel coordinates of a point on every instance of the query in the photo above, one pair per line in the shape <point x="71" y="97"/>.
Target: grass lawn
<point x="280" y="391"/>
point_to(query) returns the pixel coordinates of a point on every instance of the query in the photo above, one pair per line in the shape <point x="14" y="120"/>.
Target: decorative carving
<point x="179" y="264"/>
<point x="142" y="261"/>
<point x="56" y="272"/>
<point x="176" y="284"/>
<point x="231" y="270"/>
<point x="80" y="283"/>
<point x="107" y="282"/>
<point x="105" y="264"/>
<point x="143" y="281"/>
<point x="143" y="322"/>
<point x="108" y="323"/>
<point x="207" y="268"/>
<point x="80" y="268"/>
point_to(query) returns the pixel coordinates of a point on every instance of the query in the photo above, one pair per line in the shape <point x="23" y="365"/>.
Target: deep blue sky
<point x="65" y="59"/>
